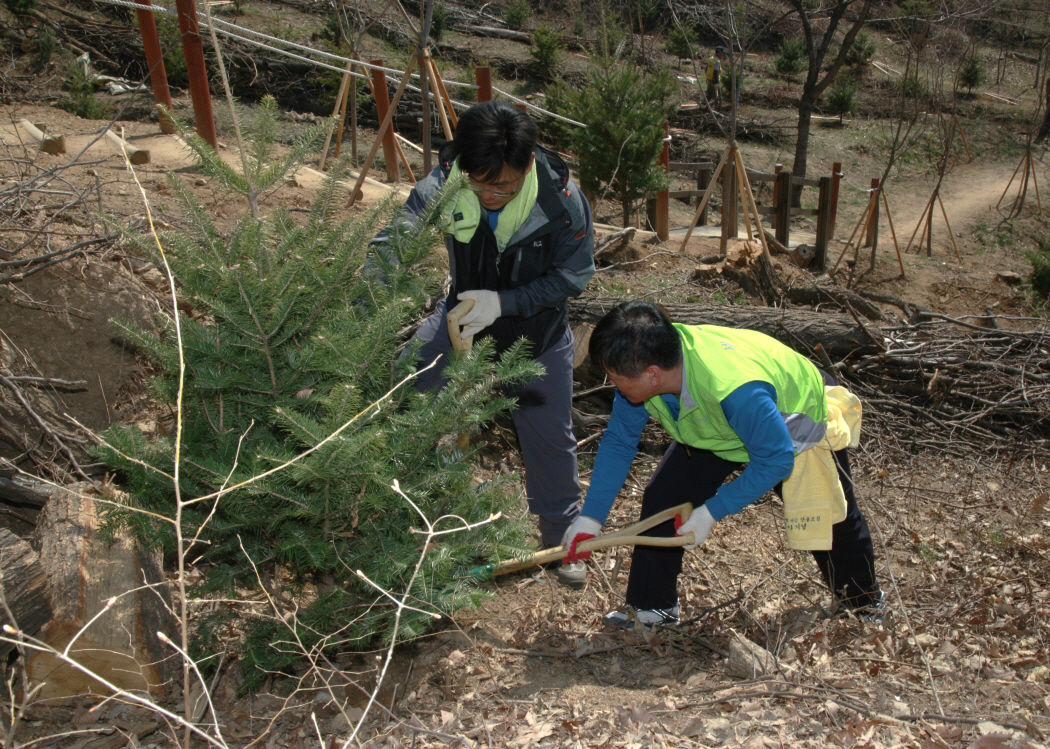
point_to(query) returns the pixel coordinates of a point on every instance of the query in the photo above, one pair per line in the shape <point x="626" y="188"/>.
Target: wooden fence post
<point x="382" y="97"/>
<point x="782" y="224"/>
<point x="820" y="259"/>
<point x="872" y="239"/>
<point x="836" y="177"/>
<point x="155" y="62"/>
<point x="777" y="169"/>
<point x="196" y="71"/>
<point x="483" y="76"/>
<point x="703" y="181"/>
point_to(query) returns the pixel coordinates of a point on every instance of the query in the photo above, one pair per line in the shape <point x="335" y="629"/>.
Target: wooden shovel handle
<point x="628" y="536"/>
<point x="453" y="317"/>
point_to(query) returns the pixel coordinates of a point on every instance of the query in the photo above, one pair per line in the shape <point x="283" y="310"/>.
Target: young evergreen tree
<point x="287" y="343"/>
<point x="840" y="96"/>
<point x="971" y="74"/>
<point x="624" y="108"/>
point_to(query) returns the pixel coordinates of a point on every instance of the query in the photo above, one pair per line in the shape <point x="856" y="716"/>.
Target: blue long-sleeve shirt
<point x="752" y="412"/>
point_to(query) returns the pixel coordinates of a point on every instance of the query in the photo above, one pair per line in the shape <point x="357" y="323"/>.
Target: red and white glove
<point x="699" y="523"/>
<point x="581" y="529"/>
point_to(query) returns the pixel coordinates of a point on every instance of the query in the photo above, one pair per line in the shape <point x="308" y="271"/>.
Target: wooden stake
<point x="404" y="160"/>
<point x="338" y="109"/>
<point x="922" y="215"/>
<point x="1023" y="162"/>
<point x="893" y="234"/>
<point x="946" y="223"/>
<point x="439" y="104"/>
<point x="452" y="118"/>
<point x="750" y="206"/>
<point x="929" y="232"/>
<point x="353" y="119"/>
<point x="861" y="223"/>
<point x="963" y="136"/>
<point x="1035" y="182"/>
<point x="703" y="201"/>
<point x="382" y="130"/>
<point x="352" y="91"/>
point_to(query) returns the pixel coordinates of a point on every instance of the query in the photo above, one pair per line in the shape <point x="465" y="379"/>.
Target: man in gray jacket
<point x="520" y="242"/>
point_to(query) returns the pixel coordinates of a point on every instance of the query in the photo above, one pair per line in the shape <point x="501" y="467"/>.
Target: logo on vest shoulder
<point x="727" y="346"/>
<point x="458" y="216"/>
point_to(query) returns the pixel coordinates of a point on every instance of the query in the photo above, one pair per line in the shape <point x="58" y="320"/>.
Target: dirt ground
<point x="962" y="543"/>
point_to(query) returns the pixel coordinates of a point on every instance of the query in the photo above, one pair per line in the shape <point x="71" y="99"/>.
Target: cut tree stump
<point x="802" y="330"/>
<point x="83" y="574"/>
<point x="581" y="342"/>
<point x="24" y="587"/>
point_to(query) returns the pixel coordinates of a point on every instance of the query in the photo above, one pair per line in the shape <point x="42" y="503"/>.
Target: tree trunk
<point x="626" y="212"/>
<point x="83" y="574"/>
<point x="805" y="114"/>
<point x="1044" y="131"/>
<point x="840" y="335"/>
<point x="24" y="587"/>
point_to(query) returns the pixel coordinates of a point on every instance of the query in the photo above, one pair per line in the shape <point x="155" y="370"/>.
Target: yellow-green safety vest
<point x="719" y="360"/>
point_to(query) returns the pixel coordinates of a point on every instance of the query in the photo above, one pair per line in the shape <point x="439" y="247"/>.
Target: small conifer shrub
<point x="971" y="74"/>
<point x="290" y="347"/>
<point x="792" y="57"/>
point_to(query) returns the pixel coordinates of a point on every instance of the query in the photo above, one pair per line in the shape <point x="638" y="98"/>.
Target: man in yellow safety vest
<point x="714" y="76"/>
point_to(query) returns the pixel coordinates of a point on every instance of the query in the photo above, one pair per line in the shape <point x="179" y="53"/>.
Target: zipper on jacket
<point x="517" y="265"/>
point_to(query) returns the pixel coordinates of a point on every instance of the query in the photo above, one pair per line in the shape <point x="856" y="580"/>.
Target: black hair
<point x="493" y="134"/>
<point x="634" y="336"/>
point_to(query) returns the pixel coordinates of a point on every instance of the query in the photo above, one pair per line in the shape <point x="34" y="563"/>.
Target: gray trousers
<point x="543" y="420"/>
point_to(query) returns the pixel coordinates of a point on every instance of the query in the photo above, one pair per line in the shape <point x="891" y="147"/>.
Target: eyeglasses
<point x="498" y="193"/>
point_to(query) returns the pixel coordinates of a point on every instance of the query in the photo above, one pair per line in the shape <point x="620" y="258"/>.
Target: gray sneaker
<point x="572" y="574"/>
<point x="626" y="617"/>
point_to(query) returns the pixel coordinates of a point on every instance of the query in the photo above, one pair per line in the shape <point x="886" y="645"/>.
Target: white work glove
<point x="581" y="529"/>
<point x="485" y="311"/>
<point x="700" y="523"/>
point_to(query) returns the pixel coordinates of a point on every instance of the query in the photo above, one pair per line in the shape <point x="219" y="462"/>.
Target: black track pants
<point x="691" y="475"/>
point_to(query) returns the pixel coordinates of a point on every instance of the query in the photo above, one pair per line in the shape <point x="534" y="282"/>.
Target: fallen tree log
<point x="83" y="575"/>
<point x="490" y="31"/>
<point x="21" y="499"/>
<point x="839" y="335"/>
<point x="24" y="587"/>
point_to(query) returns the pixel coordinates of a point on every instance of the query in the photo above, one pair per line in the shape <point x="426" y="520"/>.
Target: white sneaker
<point x="624" y="618"/>
<point x="572" y="574"/>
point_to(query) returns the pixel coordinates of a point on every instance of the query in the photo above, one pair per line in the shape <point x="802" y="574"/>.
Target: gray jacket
<point x="549" y="259"/>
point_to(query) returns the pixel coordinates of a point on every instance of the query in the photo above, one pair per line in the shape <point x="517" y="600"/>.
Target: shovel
<point x="461" y="346"/>
<point x="628" y="536"/>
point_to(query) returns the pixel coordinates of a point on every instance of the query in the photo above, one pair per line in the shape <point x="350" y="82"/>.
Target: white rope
<point x="858" y="189"/>
<point x="396" y="74"/>
<point x="534" y="108"/>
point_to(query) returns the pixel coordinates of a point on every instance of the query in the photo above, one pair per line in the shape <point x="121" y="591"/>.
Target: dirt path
<point x="969" y="193"/>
